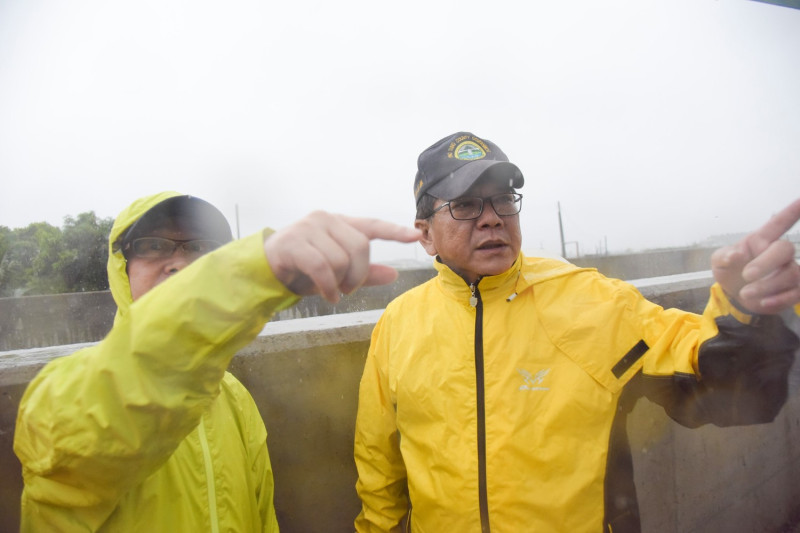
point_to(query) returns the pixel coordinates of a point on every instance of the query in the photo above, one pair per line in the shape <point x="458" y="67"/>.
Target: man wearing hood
<point x="492" y="395"/>
<point x="146" y="430"/>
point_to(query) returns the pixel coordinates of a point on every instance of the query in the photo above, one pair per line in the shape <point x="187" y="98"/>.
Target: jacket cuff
<point x="727" y="305"/>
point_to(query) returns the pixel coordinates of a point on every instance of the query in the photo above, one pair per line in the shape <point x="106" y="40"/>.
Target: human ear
<point x="426" y="241"/>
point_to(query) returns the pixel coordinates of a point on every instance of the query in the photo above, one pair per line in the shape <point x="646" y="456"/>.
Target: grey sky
<point x="654" y="123"/>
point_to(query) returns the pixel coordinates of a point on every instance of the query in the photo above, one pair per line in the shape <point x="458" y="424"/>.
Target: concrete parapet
<point x="648" y="264"/>
<point x="55" y="319"/>
<point x="304" y="375"/>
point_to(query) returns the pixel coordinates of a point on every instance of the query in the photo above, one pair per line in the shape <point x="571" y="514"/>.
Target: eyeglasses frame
<point x="517" y="200"/>
<point x="128" y="249"/>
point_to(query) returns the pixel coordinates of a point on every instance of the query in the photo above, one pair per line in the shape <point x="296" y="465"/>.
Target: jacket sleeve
<point x="381" y="471"/>
<point x="742" y="368"/>
<point x="96" y="423"/>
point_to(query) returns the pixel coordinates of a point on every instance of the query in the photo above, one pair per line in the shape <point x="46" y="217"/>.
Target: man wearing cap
<point x="146" y="431"/>
<point x="492" y="396"/>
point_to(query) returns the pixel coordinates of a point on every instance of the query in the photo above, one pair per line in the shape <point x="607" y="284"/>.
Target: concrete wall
<point x="304" y="376"/>
<point x="649" y="264"/>
<point x="55" y="319"/>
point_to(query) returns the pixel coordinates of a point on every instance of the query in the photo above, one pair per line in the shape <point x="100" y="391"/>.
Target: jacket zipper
<point x="475" y="301"/>
<point x="212" y="492"/>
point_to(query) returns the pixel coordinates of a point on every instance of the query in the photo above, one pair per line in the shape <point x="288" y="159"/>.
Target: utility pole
<point x="237" y="221"/>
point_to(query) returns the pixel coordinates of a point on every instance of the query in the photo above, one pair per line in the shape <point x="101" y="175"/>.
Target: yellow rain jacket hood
<point x="118" y="281"/>
<point x="146" y="431"/>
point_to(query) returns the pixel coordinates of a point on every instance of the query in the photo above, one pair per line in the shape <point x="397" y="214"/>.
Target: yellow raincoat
<point x="495" y="408"/>
<point x="146" y="431"/>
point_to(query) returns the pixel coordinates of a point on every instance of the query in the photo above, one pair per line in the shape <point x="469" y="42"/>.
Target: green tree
<point x="43" y="259"/>
<point x="22" y="269"/>
<point x="82" y="260"/>
<point x="5" y="236"/>
<point x="45" y="277"/>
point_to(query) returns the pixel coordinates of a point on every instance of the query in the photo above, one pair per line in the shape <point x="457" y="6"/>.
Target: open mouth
<point x="491" y="246"/>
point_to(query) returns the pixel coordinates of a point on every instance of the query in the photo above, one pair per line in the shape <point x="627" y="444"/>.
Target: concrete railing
<point x="304" y="375"/>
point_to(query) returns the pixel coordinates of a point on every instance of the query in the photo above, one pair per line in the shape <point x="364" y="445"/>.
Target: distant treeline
<point x="44" y="259"/>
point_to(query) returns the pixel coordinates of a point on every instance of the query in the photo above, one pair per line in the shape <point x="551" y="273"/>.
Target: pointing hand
<point x="328" y="254"/>
<point x="760" y="271"/>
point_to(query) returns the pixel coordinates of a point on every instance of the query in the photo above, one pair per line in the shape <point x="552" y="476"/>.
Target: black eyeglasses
<point x="159" y="247"/>
<point x="470" y="208"/>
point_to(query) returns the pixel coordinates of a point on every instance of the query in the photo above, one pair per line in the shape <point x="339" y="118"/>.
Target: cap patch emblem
<point x="469" y="151"/>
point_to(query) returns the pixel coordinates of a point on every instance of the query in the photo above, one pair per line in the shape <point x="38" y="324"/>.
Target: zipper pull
<point x="473" y="300"/>
<point x="515" y="292"/>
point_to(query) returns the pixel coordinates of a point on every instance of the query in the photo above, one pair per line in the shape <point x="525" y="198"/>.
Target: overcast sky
<point x="653" y="123"/>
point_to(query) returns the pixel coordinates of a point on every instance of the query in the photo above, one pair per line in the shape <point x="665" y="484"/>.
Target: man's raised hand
<point x="760" y="271"/>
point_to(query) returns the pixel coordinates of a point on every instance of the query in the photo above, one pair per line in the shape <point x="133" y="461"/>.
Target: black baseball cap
<point x="202" y="215"/>
<point x="452" y="165"/>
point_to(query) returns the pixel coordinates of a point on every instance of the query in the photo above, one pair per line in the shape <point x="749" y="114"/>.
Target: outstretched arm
<point x="743" y="366"/>
<point x="94" y="425"/>
<point x="760" y="272"/>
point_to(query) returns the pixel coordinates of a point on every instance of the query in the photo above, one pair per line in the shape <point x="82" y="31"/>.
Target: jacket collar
<point x="490" y="287"/>
<point x="522" y="275"/>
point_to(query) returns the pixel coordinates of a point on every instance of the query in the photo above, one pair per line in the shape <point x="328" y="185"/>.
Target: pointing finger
<point x="374" y="228"/>
<point x="780" y="223"/>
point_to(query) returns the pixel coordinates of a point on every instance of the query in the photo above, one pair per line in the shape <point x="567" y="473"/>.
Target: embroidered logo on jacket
<point x="532" y="382"/>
